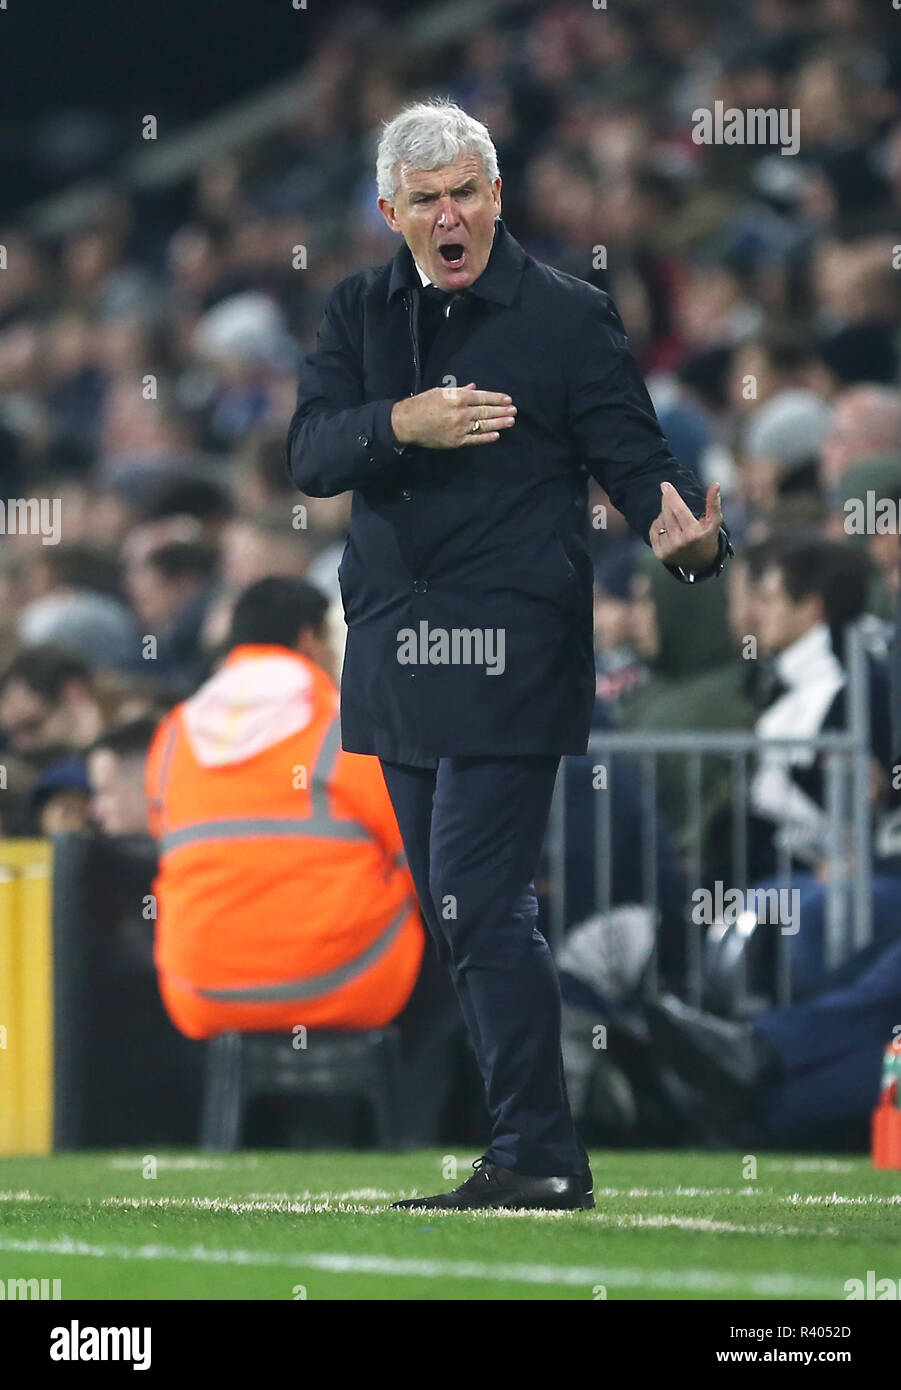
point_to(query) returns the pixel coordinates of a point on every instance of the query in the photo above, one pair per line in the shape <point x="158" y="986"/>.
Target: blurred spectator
<point x="618" y="663"/>
<point x="697" y="680"/>
<point x="868" y="489"/>
<point x="780" y="447"/>
<point x="260" y="474"/>
<point x="806" y="597"/>
<point x="48" y="702"/>
<point x="801" y="1076"/>
<point x="96" y="626"/>
<point x="776" y="361"/>
<point x="264" y="543"/>
<point x="680" y="651"/>
<point x="61" y="799"/>
<point x="866" y="422"/>
<point x="115" y="769"/>
<point x="171" y="589"/>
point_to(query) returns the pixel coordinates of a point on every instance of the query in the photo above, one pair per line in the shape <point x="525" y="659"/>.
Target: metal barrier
<point x="847" y="773"/>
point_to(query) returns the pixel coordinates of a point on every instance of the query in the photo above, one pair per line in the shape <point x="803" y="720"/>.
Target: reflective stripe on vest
<point x="319" y="824"/>
<point x="262" y="826"/>
<point x="313" y="985"/>
<point x="163" y="778"/>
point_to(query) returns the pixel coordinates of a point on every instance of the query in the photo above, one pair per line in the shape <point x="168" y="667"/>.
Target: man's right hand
<point x="443" y="418"/>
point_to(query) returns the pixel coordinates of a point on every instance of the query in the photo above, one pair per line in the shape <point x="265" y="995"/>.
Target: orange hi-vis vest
<point x="283" y="897"/>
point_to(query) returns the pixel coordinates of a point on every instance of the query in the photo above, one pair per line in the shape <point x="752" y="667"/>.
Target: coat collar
<point x="498" y="282"/>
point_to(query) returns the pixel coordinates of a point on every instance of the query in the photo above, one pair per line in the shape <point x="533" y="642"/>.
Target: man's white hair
<point x="430" y="135"/>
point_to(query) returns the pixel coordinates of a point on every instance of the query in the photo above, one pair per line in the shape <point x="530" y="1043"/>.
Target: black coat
<point x="493" y="538"/>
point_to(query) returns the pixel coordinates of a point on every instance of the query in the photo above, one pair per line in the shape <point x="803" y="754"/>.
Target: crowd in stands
<point x="148" y="369"/>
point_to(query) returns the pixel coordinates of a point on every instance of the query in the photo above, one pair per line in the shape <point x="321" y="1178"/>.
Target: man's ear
<point x="389" y="213"/>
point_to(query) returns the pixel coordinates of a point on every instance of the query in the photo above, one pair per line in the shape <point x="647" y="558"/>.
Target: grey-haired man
<point x="465" y="393"/>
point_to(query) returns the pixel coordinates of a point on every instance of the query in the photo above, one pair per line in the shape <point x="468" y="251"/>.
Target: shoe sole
<point x="585" y="1203"/>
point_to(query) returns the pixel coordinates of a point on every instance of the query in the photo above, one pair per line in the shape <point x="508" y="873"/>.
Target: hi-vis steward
<point x="283" y="895"/>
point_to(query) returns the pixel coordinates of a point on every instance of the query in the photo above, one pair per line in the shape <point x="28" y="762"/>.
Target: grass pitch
<point x="261" y="1225"/>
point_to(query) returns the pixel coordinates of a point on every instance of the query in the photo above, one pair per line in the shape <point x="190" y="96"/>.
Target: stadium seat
<point x="241" y="1067"/>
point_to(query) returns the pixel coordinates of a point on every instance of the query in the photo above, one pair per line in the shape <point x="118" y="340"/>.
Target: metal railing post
<point x="694" y="953"/>
<point x="603" y="840"/>
<point x="836" y="939"/>
<point x="859" y="728"/>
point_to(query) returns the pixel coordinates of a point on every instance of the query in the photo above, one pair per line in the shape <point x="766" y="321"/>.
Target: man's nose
<point x="448" y="217"/>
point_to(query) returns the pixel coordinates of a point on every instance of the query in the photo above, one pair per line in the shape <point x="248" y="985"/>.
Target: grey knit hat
<point x="789" y="429"/>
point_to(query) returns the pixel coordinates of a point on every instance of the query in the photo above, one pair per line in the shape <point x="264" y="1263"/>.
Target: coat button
<point x="364" y="440"/>
<point x="406" y="494"/>
<point x="420" y="586"/>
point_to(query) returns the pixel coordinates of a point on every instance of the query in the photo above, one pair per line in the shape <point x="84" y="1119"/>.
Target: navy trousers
<point x="831" y="1047"/>
<point x="472" y="830"/>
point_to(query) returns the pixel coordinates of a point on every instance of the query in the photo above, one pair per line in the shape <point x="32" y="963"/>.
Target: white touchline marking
<point x="810" y="1165"/>
<point x="837" y="1199"/>
<point x="356" y="1194"/>
<point x="712" y="1227"/>
<point x="679" y="1191"/>
<point x="696" y="1280"/>
<point x="184" y="1162"/>
<point x="238" y="1206"/>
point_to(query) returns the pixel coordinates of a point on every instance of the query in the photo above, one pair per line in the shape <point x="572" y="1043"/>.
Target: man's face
<point x="118" y="798"/>
<point x="781" y="620"/>
<point x="156" y="599"/>
<point x="446" y="216"/>
<point x="30" y="721"/>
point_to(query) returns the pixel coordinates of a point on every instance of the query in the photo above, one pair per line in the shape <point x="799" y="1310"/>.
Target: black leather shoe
<point x="732" y="1062"/>
<point x="491" y="1186"/>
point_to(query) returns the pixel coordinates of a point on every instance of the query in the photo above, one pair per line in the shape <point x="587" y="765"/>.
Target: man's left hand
<point x="678" y="537"/>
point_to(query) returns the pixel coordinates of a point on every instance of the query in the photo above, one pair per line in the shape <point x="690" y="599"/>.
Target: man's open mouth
<point x="453" y="253"/>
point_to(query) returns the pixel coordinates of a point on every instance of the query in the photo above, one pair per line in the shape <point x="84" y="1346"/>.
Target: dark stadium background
<point x="112" y="61"/>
